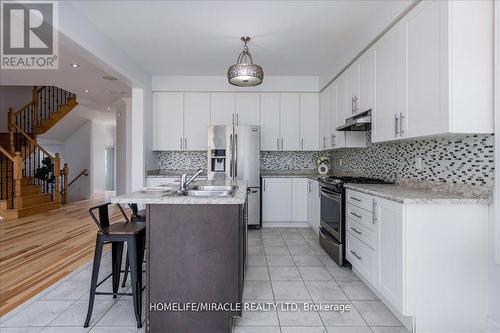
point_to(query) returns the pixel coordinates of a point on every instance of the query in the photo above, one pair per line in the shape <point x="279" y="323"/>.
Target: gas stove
<point x="337" y="182"/>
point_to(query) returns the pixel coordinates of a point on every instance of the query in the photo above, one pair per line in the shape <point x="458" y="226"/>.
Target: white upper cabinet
<point x="449" y="84"/>
<point x="309" y="121"/>
<point x="324" y="119"/>
<point x="289" y="121"/>
<point x="388" y="106"/>
<point x="222" y="108"/>
<point x="247" y="109"/>
<point x="366" y="84"/>
<point x="270" y="121"/>
<point x="196" y="120"/>
<point x="168" y="121"/>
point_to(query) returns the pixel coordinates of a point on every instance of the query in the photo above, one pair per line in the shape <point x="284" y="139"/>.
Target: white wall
<point x="103" y="136"/>
<point x="12" y="96"/>
<point x="77" y="153"/>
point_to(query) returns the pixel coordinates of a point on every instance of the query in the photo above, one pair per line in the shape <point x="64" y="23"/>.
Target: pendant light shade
<point x="244" y="73"/>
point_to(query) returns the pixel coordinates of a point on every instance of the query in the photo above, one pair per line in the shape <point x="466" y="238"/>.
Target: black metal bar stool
<point x="136" y="217"/>
<point x="117" y="234"/>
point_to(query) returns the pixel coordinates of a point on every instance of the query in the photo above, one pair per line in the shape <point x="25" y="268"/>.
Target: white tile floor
<point x="284" y="264"/>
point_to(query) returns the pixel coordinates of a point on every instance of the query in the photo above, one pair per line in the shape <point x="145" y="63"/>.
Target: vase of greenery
<point x="322" y="162"/>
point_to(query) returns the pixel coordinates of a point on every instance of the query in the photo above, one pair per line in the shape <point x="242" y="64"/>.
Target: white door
<point x="388" y="250"/>
<point x="269" y="121"/>
<point x="324" y="119"/>
<point x="247" y="109"/>
<point x="366" y="81"/>
<point x="290" y="117"/>
<point x="196" y="120"/>
<point x="276" y="200"/>
<point x="388" y="85"/>
<point x="299" y="199"/>
<point x="309" y="121"/>
<point x="222" y="108"/>
<point x="167" y="117"/>
<point x="425" y="114"/>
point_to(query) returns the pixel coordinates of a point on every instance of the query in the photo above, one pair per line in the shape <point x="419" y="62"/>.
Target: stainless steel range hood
<point x="359" y="122"/>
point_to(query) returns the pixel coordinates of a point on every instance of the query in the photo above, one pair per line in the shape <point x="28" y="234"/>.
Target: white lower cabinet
<point x="313" y="204"/>
<point x="284" y="201"/>
<point x="418" y="256"/>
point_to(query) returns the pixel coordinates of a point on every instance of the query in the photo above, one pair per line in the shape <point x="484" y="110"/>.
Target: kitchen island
<point x="195" y="258"/>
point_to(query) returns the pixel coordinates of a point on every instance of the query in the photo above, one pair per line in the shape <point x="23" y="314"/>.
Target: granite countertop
<point x="172" y="173"/>
<point x="143" y="197"/>
<point x="311" y="174"/>
<point x="409" y="192"/>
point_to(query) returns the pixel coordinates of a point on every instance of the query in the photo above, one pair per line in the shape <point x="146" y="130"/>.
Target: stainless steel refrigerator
<point x="234" y="153"/>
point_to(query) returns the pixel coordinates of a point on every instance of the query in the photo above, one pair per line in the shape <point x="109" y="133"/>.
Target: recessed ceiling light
<point x="108" y="108"/>
<point x="109" y="78"/>
<point x="75" y="65"/>
<point x="119" y="92"/>
<point x="107" y="91"/>
<point x="85" y="90"/>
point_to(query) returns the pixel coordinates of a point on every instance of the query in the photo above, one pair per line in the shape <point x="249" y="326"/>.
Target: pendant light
<point x="244" y="73"/>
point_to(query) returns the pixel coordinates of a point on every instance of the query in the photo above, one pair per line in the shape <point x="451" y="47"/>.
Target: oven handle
<point x="330" y="194"/>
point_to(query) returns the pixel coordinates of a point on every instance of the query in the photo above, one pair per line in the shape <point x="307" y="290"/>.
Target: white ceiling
<point x="304" y="38"/>
<point x="76" y="80"/>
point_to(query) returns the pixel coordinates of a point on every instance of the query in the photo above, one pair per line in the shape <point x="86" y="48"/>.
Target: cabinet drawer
<point x="360" y="256"/>
<point x="361" y="232"/>
<point x="360" y="200"/>
<point x="360" y="216"/>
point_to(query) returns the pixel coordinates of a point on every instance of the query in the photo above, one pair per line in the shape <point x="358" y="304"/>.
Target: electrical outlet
<point x="418" y="163"/>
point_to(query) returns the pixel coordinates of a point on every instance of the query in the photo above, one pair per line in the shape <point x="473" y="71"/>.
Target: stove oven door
<point x="331" y="213"/>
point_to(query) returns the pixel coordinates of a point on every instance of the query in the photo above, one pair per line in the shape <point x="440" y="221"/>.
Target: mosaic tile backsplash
<point x="269" y="160"/>
<point x="465" y="159"/>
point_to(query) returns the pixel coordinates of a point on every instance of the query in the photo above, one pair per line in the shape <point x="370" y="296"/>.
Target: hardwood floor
<point x="38" y="250"/>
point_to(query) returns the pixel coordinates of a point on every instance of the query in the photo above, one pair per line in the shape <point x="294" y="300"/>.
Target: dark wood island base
<point x="195" y="256"/>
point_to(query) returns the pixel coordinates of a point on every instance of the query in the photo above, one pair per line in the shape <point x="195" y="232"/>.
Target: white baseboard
<point x="492" y="326"/>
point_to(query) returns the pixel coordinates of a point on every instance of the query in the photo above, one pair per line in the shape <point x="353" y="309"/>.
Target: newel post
<point x="65" y="182"/>
<point x="57" y="174"/>
<point x="18" y="178"/>
<point x="12" y="121"/>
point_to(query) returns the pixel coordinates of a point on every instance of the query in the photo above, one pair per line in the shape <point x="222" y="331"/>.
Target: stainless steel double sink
<point x="195" y="191"/>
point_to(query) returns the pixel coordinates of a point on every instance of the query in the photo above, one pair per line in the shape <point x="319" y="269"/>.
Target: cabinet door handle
<point x="233" y="118"/>
<point x="374" y="219"/>
<point x="302" y="144"/>
<point x="263" y="185"/>
<point x="352" y="104"/>
<point x="281" y="143"/>
<point x="277" y="143"/>
<point x="396" y="132"/>
<point x="356" y="255"/>
<point x="185" y="143"/>
<point x="401" y="117"/>
<point x="181" y="143"/>
<point x="356" y="231"/>
<point x="357" y="215"/>
<point x="324" y="142"/>
<point x="355" y="199"/>
<point x="331" y="140"/>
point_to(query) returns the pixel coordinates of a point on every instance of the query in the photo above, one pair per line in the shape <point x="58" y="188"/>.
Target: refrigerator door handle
<point x="231" y="160"/>
<point x="235" y="155"/>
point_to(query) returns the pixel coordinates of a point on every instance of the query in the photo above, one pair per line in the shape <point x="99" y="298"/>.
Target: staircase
<point x="31" y="179"/>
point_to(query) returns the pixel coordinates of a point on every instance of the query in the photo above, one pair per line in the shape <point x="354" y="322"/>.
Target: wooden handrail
<point x="6" y="153"/>
<point x="84" y="172"/>
<point x="24" y="107"/>
<point x="33" y="141"/>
